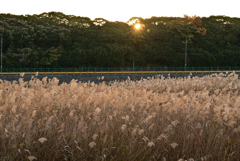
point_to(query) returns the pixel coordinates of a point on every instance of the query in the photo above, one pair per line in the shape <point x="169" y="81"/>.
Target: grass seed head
<point x="22" y="74"/>
<point x="31" y="158"/>
<point x="174" y="145"/>
<point x="151" y="144"/>
<point x="42" y="140"/>
<point x="94" y="137"/>
<point x="92" y="144"/>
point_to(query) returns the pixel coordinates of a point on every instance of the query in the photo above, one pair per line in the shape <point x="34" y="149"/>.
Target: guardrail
<point x="119" y="69"/>
<point x="117" y="72"/>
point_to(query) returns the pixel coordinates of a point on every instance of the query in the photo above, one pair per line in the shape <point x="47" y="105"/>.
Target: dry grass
<point x="151" y="119"/>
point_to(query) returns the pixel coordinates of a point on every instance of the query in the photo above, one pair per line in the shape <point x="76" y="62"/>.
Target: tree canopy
<point x="54" y="39"/>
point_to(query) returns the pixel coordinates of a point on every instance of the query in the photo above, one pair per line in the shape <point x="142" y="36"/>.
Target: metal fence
<point x="117" y="69"/>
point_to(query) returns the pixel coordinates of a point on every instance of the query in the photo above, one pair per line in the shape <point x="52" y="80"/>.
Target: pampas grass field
<point x="156" y="119"/>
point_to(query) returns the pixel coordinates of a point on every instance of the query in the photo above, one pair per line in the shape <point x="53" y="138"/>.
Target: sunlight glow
<point x="137" y="26"/>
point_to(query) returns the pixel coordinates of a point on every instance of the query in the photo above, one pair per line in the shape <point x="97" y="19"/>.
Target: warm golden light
<point x="137" y="26"/>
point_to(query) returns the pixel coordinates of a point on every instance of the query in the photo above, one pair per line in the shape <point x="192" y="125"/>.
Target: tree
<point x="186" y="27"/>
<point x="54" y="39"/>
<point x="51" y="55"/>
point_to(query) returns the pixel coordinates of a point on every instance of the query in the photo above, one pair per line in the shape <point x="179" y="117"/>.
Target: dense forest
<point x="57" y="40"/>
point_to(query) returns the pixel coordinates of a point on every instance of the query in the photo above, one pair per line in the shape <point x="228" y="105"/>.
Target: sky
<point x="123" y="10"/>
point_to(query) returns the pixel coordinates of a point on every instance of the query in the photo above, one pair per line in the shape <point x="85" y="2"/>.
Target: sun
<point x="137" y="26"/>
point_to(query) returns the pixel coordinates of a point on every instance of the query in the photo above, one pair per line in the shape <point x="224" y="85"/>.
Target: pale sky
<point x="123" y="10"/>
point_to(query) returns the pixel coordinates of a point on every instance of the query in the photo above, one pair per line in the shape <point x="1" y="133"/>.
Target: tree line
<point x="54" y="39"/>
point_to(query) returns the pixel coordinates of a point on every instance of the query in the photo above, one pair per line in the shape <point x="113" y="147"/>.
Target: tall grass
<point x="152" y="119"/>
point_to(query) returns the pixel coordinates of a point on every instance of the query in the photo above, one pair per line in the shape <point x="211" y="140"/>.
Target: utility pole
<point x="186" y="55"/>
<point x="1" y="55"/>
<point x="133" y="66"/>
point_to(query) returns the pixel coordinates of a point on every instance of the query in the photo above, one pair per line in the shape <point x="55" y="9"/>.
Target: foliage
<point x="54" y="39"/>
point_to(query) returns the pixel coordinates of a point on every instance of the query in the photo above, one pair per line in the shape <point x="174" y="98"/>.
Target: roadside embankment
<point x="97" y="78"/>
